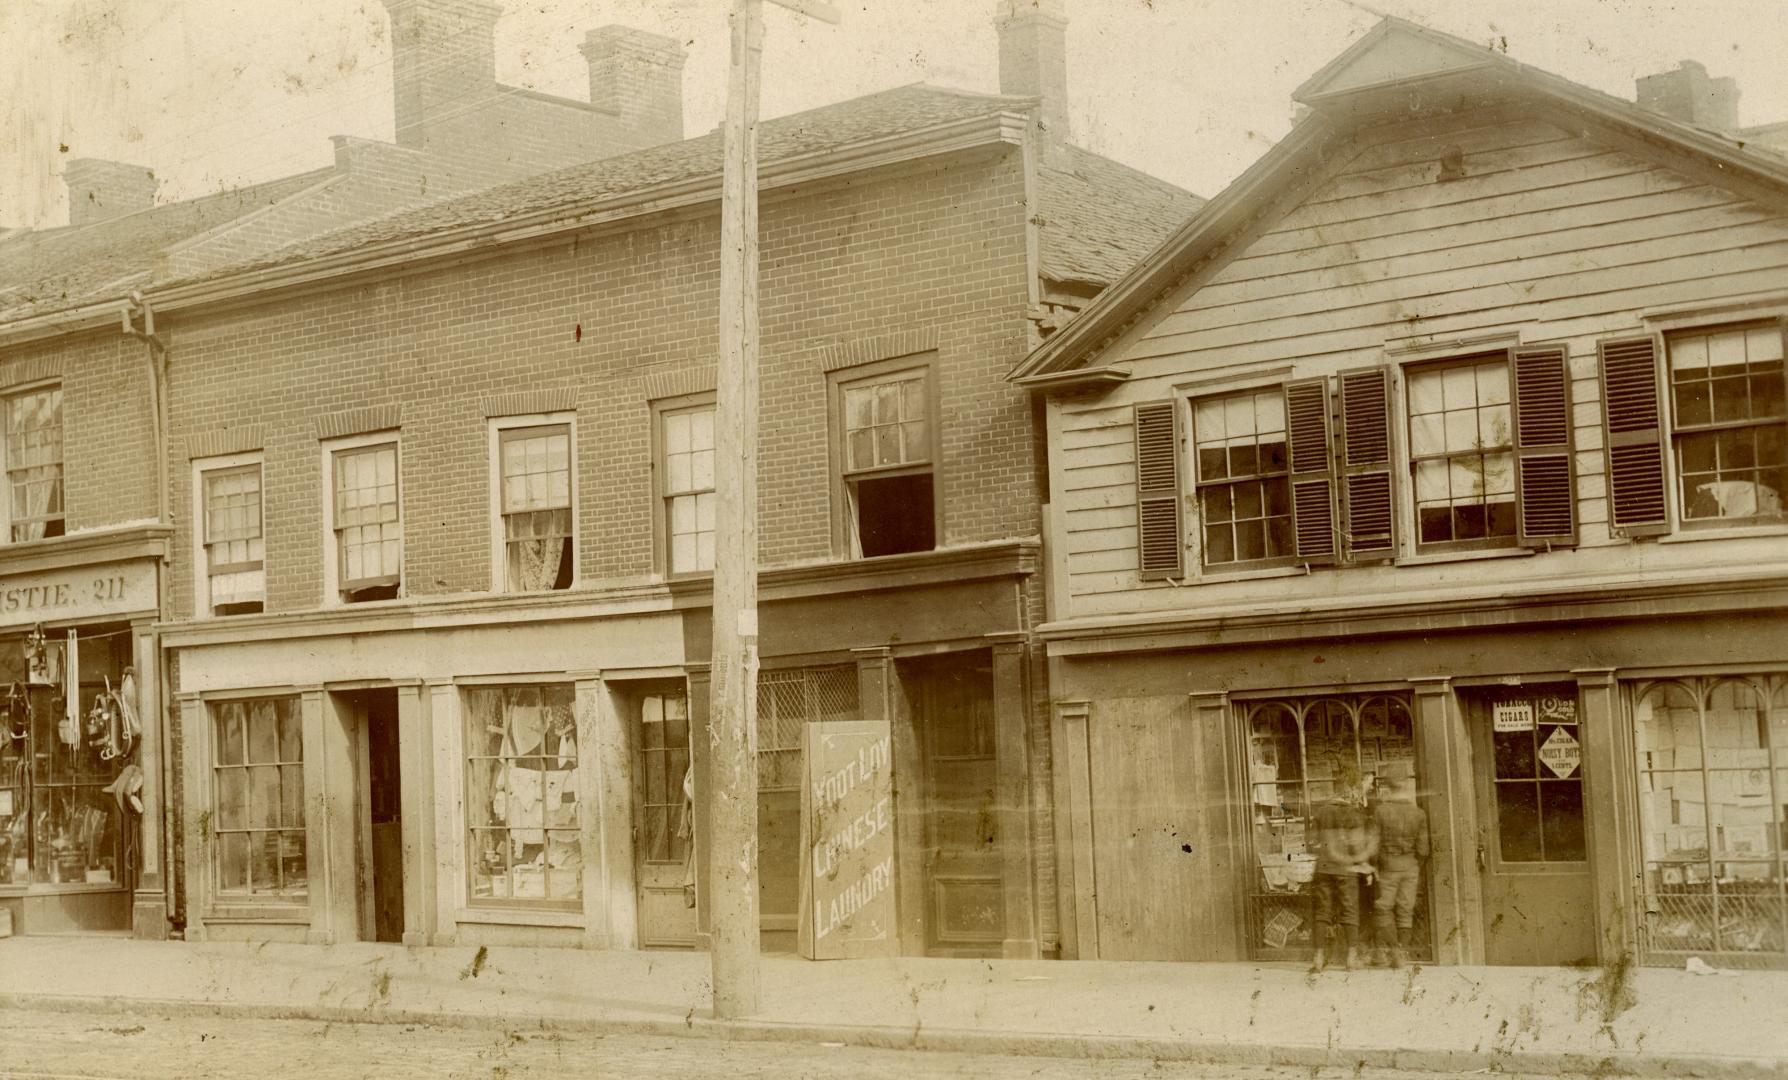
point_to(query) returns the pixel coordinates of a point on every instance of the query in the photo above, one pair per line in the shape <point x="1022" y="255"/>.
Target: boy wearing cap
<point x="1345" y="841"/>
<point x="1402" y="829"/>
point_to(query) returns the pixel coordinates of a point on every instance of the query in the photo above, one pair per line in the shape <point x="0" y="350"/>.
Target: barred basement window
<point x="1713" y="792"/>
<point x="236" y="578"/>
<point x="524" y="838"/>
<point x="34" y="463"/>
<point x="257" y="815"/>
<point x="535" y="463"/>
<point x="1729" y="422"/>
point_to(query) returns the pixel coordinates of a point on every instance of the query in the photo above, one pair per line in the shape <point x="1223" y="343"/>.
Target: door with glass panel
<point x="1532" y="851"/>
<point x="664" y="829"/>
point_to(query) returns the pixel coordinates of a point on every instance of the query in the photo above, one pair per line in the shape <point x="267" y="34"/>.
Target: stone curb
<point x="966" y="1041"/>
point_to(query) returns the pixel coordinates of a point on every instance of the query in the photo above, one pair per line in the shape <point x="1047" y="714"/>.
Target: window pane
<point x="1561" y="815"/>
<point x="231" y="721"/>
<point x="263" y="797"/>
<point x="1514" y="752"/>
<point x="232" y="799"/>
<point x="232" y="863"/>
<point x="1518" y="822"/>
<point x="263" y="736"/>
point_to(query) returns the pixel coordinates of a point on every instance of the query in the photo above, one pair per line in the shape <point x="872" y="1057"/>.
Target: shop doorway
<point x="663" y="828"/>
<point x="381" y="846"/>
<point x="1532" y="844"/>
<point x="952" y="703"/>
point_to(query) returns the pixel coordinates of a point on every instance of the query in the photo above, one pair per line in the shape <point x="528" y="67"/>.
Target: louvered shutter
<point x="1312" y="484"/>
<point x="1367" y="514"/>
<point x="1633" y="423"/>
<point x="1544" y="489"/>
<point x="1157" y="491"/>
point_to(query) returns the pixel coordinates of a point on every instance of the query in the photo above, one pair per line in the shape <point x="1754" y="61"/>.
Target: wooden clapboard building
<point x="1451" y="434"/>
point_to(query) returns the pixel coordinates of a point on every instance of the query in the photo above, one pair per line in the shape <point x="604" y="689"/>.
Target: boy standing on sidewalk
<point x="1345" y="844"/>
<point x="1402" y="829"/>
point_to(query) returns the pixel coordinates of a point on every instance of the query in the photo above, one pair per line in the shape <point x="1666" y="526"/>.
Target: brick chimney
<point x="637" y="76"/>
<point x="1034" y="57"/>
<point x="99" y="189"/>
<point x="1689" y="95"/>
<point x="444" y="58"/>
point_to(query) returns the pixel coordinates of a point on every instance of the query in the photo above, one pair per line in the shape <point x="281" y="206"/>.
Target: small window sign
<point x="1555" y="709"/>
<point x="1512" y="716"/>
<point x="1562" y="753"/>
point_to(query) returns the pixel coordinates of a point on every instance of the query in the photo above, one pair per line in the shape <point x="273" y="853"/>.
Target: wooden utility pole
<point x="732" y="723"/>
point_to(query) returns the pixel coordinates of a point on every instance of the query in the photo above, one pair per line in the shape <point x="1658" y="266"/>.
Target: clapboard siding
<point x="1549" y="235"/>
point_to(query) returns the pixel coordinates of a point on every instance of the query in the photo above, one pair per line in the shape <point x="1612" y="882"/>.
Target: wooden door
<point x="381" y="864"/>
<point x="663" y="842"/>
<point x="965" y="897"/>
<point x="1533" y="833"/>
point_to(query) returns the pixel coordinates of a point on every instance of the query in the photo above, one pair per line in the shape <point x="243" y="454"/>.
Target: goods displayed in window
<point x="1713" y="802"/>
<point x="257" y="818"/>
<point x="67" y="774"/>
<point x="522" y="808"/>
<point x="1327" y="758"/>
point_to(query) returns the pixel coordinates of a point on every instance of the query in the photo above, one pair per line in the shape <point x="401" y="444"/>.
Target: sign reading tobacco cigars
<point x="847" y="834"/>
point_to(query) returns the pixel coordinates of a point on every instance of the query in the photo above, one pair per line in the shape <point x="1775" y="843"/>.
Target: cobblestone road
<point x="41" y="1045"/>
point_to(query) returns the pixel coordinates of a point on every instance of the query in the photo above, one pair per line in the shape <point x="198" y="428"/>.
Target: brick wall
<point x="941" y="246"/>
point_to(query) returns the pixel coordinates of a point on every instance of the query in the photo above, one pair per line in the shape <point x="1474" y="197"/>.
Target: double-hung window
<point x="33" y="421"/>
<point x="1462" y="452"/>
<point x="368" y="520"/>
<point x="1242" y="472"/>
<point x="534" y="463"/>
<point x="888" y="450"/>
<point x="688" y="488"/>
<point x="232" y="543"/>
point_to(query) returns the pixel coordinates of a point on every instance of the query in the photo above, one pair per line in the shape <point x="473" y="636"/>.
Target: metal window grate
<point x="786" y="702"/>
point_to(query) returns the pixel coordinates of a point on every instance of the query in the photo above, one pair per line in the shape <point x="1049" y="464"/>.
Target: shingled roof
<point x="1100" y="217"/>
<point x="49" y="270"/>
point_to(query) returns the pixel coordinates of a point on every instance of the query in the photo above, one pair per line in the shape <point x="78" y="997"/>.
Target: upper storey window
<point x="34" y="462"/>
<point x="887" y="479"/>
<point x="1726" y="398"/>
<point x="368" y="521"/>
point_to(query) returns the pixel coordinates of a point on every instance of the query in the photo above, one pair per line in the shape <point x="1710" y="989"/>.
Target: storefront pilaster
<point x="880" y="697"/>
<point x="448" y="871"/>
<point x="611" y="905"/>
<point x="149" y="907"/>
<point x="194" y="725"/>
<point x="1608" y="798"/>
<point x="1074" y="832"/>
<point x="1011" y="714"/>
<point x="332" y="799"/>
<point x="1457" y="850"/>
<point x="416" y="782"/>
<point x="1223" y="824"/>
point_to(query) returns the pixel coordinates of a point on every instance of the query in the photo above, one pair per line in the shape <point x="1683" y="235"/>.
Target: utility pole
<point x="732" y="716"/>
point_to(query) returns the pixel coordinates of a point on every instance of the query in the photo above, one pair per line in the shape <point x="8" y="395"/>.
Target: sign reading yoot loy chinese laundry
<point x="847" y="835"/>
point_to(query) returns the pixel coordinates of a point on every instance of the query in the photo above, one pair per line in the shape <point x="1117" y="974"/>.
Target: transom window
<point x="1244" y="495"/>
<point x="689" y="488"/>
<point x="1461" y="448"/>
<point x="235" y="571"/>
<point x="368" y="522"/>
<point x="536" y="507"/>
<point x="887" y="477"/>
<point x="34" y="463"/>
<point x="1727" y="396"/>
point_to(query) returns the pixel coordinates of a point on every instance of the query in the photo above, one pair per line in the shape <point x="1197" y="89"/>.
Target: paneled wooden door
<point x="965" y="898"/>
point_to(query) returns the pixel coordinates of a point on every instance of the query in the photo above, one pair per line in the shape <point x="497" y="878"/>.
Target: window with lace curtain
<point x="34" y="462"/>
<point x="534" y="505"/>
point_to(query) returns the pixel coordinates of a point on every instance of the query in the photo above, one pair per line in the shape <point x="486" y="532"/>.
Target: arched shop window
<point x="1713" y="799"/>
<point x="60" y="825"/>
<point x="1296" y="748"/>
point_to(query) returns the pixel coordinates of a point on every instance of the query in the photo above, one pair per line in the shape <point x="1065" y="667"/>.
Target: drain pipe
<point x="156" y="357"/>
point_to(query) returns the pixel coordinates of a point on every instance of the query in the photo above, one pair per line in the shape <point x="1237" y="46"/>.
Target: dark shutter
<point x="1543" y="476"/>
<point x="1367" y="513"/>
<point x="1157" y="491"/>
<point x="1312" y="484"/>
<point x="1633" y="423"/>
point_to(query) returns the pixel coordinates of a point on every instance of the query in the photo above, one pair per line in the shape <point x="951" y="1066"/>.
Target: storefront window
<point x="1713" y="784"/>
<point x="59" y="825"/>
<point x="524" y="842"/>
<point x="1297" y="747"/>
<point x="257" y="817"/>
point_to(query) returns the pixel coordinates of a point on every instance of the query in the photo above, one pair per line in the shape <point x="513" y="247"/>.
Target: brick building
<point x="441" y="487"/>
<point x="1449" y="440"/>
<point x="84" y="381"/>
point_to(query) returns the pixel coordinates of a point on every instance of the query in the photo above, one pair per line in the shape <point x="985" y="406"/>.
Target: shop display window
<point x="60" y="826"/>
<point x="1296" y="749"/>
<point x="1713" y="799"/>
<point x="524" y="839"/>
<point x="257" y="811"/>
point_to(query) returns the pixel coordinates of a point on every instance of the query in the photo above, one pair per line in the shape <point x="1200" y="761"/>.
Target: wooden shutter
<point x="1545" y="493"/>
<point x="1312" y="482"/>
<point x="1633" y="421"/>
<point x="1367" y="517"/>
<point x="1157" y="491"/>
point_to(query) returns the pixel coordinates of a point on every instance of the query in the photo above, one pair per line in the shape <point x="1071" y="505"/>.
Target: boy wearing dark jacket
<point x="1345" y="844"/>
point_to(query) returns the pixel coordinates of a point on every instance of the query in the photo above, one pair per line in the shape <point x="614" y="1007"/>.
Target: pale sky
<point x="216" y="93"/>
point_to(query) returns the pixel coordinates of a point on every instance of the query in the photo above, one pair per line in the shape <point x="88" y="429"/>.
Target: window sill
<point x="1762" y="530"/>
<point x="1261" y="574"/>
<point x="520" y="917"/>
<point x="1465" y="556"/>
<point x="288" y="913"/>
<point x="50" y="888"/>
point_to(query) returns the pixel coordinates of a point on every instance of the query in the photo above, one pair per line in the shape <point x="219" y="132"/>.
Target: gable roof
<point x="1397" y="66"/>
<point x="47" y="270"/>
<point x="1104" y="215"/>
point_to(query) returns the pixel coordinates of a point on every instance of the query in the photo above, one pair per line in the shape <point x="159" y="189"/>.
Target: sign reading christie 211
<point x="847" y="833"/>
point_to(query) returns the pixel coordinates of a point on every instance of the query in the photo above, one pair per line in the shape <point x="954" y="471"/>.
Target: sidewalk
<point x="1448" y="1020"/>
